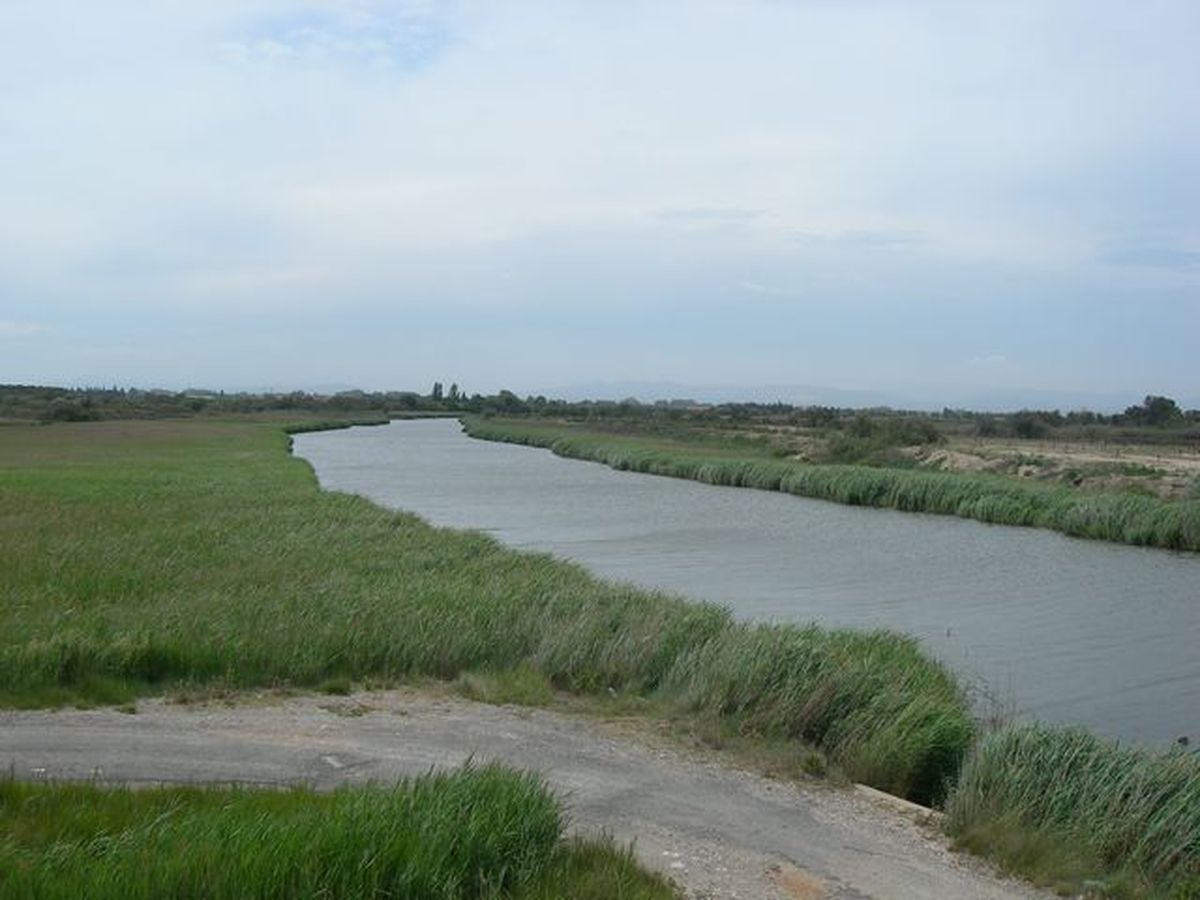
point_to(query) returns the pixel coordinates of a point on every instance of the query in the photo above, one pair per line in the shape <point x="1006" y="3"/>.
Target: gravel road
<point x="718" y="832"/>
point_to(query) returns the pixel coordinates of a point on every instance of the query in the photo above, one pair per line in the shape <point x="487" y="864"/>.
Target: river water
<point x="1067" y="630"/>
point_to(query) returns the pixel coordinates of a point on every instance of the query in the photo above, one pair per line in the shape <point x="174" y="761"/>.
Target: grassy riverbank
<point x="1123" y="517"/>
<point x="474" y="833"/>
<point x="143" y="557"/>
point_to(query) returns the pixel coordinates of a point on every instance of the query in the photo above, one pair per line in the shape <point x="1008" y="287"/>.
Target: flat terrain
<point x="1170" y="472"/>
<point x="717" y="832"/>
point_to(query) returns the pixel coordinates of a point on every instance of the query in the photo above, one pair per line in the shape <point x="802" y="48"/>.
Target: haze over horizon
<point x="918" y="200"/>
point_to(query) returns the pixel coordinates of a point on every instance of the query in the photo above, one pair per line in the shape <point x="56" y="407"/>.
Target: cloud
<point x="908" y="176"/>
<point x="751" y="286"/>
<point x="391" y="36"/>
<point x="1150" y="253"/>
<point x="10" y="329"/>
<point x="709" y="215"/>
<point x="865" y="237"/>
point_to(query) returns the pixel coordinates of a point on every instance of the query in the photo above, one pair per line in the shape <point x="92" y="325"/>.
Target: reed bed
<point x="1121" y="517"/>
<point x="869" y="700"/>
<point x="1031" y="791"/>
<point x="472" y="833"/>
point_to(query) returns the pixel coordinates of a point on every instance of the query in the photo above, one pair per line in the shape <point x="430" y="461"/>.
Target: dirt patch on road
<point x="799" y="885"/>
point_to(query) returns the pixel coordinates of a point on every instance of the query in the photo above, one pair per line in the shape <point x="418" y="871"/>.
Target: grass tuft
<point x="522" y="686"/>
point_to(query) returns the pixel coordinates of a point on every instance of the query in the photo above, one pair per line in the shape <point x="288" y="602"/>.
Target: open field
<point x="872" y="470"/>
<point x="193" y="556"/>
<point x="472" y="833"/>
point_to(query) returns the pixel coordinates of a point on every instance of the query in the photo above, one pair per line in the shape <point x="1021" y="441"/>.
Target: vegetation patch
<point x="1061" y="805"/>
<point x="522" y="686"/>
<point x="473" y="833"/>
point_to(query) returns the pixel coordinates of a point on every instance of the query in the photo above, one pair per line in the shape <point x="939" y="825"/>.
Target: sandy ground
<point x="1173" y="459"/>
<point x="1102" y="466"/>
<point x="718" y="832"/>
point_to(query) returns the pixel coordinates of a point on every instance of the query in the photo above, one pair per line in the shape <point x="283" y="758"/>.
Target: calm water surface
<point x="1067" y="630"/>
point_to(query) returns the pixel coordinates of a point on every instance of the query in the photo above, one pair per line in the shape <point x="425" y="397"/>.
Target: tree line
<point x="1154" y="415"/>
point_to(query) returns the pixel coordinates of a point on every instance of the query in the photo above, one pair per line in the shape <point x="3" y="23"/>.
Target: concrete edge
<point x="899" y="804"/>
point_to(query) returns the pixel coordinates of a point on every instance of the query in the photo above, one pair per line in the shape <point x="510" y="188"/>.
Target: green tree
<point x="1027" y="424"/>
<point x="1156" y="411"/>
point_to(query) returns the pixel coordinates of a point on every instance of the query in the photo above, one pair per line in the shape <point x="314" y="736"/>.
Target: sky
<point x="933" y="200"/>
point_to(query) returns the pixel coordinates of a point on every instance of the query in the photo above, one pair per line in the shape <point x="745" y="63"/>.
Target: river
<point x="1066" y="630"/>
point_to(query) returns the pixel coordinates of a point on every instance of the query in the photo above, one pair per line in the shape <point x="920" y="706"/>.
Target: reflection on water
<point x="1069" y="630"/>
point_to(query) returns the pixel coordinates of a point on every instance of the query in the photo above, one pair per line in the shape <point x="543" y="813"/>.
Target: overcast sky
<point x="935" y="199"/>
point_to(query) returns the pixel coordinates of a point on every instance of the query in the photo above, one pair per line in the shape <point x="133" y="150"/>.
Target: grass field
<point x="195" y="555"/>
<point x="473" y="833"/>
<point x="1120" y="516"/>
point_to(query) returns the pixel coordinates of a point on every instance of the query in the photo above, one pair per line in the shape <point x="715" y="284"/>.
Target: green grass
<point x="473" y="833"/>
<point x="1061" y="805"/>
<point x="523" y="686"/>
<point x="1123" y="517"/>
<point x="146" y="556"/>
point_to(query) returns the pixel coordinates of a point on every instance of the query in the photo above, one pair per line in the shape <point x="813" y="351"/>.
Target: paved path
<point x="718" y="832"/>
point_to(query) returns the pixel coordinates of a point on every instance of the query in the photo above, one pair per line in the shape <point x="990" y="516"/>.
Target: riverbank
<point x="195" y="556"/>
<point x="1122" y="517"/>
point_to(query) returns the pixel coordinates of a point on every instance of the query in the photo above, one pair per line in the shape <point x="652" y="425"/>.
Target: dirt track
<point x="718" y="832"/>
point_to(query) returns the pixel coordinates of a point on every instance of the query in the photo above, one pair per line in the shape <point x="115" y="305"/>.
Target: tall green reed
<point x="1132" y="811"/>
<point x="471" y="833"/>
